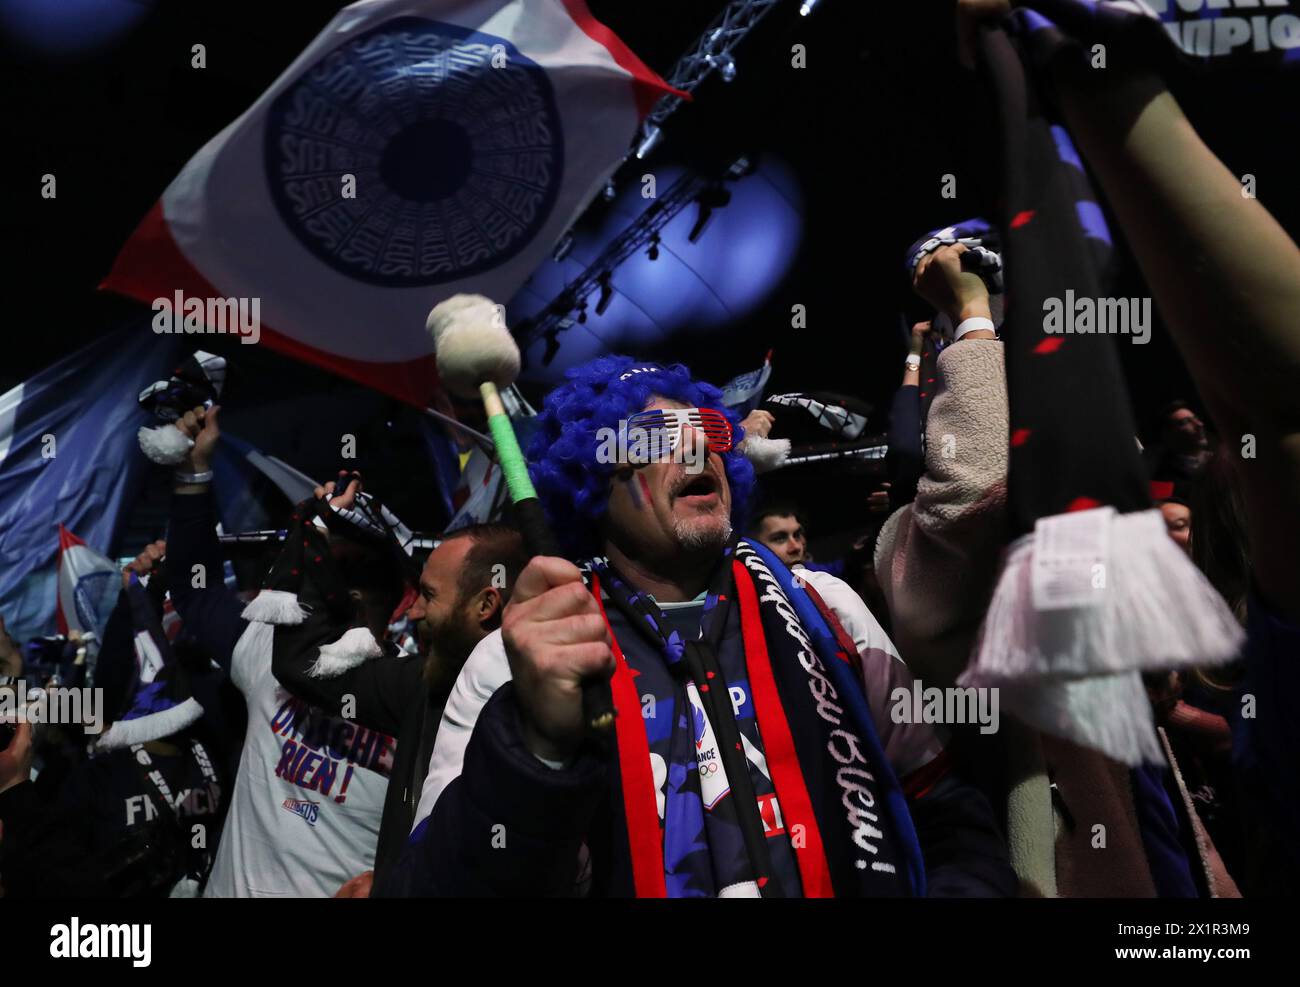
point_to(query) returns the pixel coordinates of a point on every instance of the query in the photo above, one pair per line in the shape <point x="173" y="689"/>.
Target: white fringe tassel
<point x="765" y="454"/>
<point x="349" y="651"/>
<point x="1074" y="672"/>
<point x="164" y="444"/>
<point x="154" y="726"/>
<point x="274" y="606"/>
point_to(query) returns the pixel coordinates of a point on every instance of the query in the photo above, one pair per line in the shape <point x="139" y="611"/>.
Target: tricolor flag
<point x="416" y="149"/>
<point x="481" y="496"/>
<point x="68" y="455"/>
<point x="89" y="585"/>
<point x="742" y="394"/>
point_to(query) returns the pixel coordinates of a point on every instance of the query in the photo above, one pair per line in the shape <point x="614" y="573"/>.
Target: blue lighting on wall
<point x="69" y="27"/>
<point x="693" y="288"/>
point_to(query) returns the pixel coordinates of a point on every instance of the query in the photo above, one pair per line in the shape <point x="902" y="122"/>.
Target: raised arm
<point x="905" y="460"/>
<point x="210" y="611"/>
<point x="1224" y="274"/>
<point x="936" y="558"/>
<point x="1226" y="277"/>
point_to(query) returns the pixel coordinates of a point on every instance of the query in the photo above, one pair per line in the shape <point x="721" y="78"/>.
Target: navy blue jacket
<point x="509" y="825"/>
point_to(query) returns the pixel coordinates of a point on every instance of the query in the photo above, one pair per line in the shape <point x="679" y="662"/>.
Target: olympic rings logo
<point x="708" y="769"/>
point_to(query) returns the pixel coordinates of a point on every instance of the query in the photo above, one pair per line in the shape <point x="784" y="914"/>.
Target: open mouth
<point x="698" y="489"/>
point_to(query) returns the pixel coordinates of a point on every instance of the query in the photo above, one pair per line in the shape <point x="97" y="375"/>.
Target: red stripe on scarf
<point x="640" y="807"/>
<point x="848" y="647"/>
<point x="778" y="744"/>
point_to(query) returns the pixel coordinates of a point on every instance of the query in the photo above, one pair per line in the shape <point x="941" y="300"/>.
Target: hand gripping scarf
<point x="982" y="257"/>
<point x="844" y="812"/>
<point x="1092" y="591"/>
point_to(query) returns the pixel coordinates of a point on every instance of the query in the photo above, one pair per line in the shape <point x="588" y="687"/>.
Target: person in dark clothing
<point x="150" y="814"/>
<point x="464" y="586"/>
<point x="141" y="817"/>
<point x="752" y="754"/>
<point x="39" y="856"/>
<point x="905" y="460"/>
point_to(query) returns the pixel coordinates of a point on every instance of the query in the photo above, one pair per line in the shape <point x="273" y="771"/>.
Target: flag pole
<point x="484" y="441"/>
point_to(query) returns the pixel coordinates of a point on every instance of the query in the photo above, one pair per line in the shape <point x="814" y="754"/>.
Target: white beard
<point x="708" y="531"/>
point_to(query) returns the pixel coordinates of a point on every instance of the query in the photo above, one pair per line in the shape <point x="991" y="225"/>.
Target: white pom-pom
<point x="274" y="606"/>
<point x="349" y="651"/>
<point x="164" y="444"/>
<point x="472" y="344"/>
<point x="765" y="454"/>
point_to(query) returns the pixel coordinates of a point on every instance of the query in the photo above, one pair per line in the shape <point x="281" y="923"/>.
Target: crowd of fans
<point x="361" y="725"/>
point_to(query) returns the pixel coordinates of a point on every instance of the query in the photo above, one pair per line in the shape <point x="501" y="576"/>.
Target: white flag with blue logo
<point x="416" y="149"/>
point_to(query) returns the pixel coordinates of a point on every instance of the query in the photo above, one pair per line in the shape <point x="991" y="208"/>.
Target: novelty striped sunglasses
<point x="663" y="427"/>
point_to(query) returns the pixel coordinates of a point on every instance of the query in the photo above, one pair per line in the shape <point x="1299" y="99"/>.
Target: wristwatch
<point x="913" y="361"/>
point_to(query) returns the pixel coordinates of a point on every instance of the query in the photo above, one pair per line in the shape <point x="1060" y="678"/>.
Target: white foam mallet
<point x="477" y="356"/>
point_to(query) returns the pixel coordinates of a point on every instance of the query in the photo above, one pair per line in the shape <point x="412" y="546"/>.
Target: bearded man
<point x="755" y="752"/>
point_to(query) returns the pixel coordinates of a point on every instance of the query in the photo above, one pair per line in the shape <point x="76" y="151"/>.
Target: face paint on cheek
<point x="645" y="490"/>
<point x="633" y="493"/>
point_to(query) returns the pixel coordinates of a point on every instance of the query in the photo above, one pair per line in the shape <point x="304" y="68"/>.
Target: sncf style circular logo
<point x="94" y="595"/>
<point x="416" y="153"/>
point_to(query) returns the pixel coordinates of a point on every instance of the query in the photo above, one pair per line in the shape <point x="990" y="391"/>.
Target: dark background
<point x="869" y="127"/>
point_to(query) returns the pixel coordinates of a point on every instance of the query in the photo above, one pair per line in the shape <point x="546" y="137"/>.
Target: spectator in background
<point x="142" y="815"/>
<point x="1182" y="449"/>
<point x="1174" y="506"/>
<point x="464" y="586"/>
<point x="779" y="527"/>
<point x="304" y="816"/>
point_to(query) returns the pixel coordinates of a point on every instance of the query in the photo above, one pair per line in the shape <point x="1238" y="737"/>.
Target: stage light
<point x="742" y="166"/>
<point x="713" y="197"/>
<point x="606" y="293"/>
<point x="807" y="7"/>
<point x="552" y="338"/>
<point x="611" y="190"/>
<point x="653" y="135"/>
<point x="725" y="64"/>
<point x="564" y="247"/>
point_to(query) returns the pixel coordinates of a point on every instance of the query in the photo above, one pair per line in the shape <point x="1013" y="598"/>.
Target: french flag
<point x="68" y="456"/>
<point x="415" y="150"/>
<point x="89" y="585"/>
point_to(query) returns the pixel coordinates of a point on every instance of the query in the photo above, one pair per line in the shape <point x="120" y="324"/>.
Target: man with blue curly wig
<point x="589" y="495"/>
<point x="753" y="752"/>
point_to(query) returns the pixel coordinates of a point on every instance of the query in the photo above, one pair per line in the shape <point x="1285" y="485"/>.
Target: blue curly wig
<point x="572" y="486"/>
